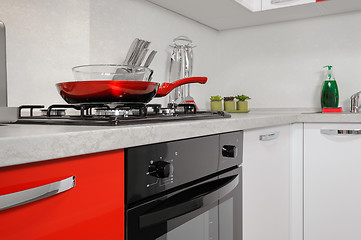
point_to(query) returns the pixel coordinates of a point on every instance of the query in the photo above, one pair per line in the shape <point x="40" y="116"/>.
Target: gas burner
<point x="110" y="114"/>
<point x="168" y="111"/>
<point x="154" y="107"/>
<point x="53" y="112"/>
<point x="188" y="108"/>
<point x="172" y="105"/>
<point x="113" y="112"/>
<point x="174" y="109"/>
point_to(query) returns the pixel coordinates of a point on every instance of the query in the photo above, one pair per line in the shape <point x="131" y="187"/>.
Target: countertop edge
<point x="67" y="141"/>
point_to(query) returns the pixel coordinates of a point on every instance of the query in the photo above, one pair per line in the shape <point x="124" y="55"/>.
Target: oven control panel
<point x="160" y="172"/>
<point x="156" y="168"/>
<point x="160" y="169"/>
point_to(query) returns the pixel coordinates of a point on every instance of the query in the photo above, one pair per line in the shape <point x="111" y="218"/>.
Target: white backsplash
<point x="44" y="40"/>
<point x="112" y="32"/>
<point x="278" y="65"/>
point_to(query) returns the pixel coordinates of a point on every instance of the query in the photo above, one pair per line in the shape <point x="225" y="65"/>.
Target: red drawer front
<point x="93" y="209"/>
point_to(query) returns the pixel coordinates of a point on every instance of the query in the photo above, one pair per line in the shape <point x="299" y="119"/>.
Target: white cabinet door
<point x="252" y="5"/>
<point x="266" y="184"/>
<point x="332" y="182"/>
<point x="272" y="4"/>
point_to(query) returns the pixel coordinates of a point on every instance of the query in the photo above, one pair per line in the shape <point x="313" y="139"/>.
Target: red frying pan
<point x="118" y="91"/>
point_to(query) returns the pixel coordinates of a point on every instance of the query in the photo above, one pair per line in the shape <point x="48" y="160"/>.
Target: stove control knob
<point x="161" y="169"/>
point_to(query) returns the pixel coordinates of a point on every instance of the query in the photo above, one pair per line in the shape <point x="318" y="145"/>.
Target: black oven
<point x="187" y="189"/>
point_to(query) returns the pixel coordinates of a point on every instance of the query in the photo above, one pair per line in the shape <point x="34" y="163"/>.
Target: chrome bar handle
<point x="341" y="132"/>
<point x="33" y="194"/>
<point x="269" y="137"/>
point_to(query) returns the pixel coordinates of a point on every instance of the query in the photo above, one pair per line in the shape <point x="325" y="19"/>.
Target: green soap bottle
<point x="329" y="95"/>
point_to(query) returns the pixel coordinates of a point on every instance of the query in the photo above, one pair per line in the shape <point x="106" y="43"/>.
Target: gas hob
<point x="111" y="114"/>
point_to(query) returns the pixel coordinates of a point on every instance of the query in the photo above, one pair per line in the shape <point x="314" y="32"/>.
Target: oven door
<point x="207" y="210"/>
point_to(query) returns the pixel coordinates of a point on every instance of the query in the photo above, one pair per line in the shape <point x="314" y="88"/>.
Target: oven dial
<point x="161" y="169"/>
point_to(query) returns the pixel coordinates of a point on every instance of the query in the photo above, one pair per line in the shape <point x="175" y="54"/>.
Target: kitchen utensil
<point x="118" y="91"/>
<point x="136" y="52"/>
<point x="150" y="58"/>
<point x="146" y="45"/>
<point x="175" y="71"/>
<point x="111" y="72"/>
<point x="142" y="44"/>
<point x="181" y="66"/>
<point x="130" y="51"/>
<point x="141" y="56"/>
<point x="188" y="72"/>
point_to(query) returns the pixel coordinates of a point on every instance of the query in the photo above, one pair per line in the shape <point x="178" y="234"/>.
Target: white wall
<point x="280" y="65"/>
<point x="44" y="40"/>
<point x="113" y="30"/>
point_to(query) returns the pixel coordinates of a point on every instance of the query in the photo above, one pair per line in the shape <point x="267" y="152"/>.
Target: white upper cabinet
<point x="273" y="4"/>
<point x="252" y="5"/>
<point x="262" y="5"/>
<point x="229" y="14"/>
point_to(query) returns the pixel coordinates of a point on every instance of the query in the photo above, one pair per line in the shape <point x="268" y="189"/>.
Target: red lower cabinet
<point x="91" y="209"/>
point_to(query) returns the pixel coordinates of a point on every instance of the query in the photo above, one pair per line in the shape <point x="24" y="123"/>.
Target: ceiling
<point x="228" y="14"/>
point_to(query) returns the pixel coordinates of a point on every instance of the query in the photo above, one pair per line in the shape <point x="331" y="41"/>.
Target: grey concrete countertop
<point x="31" y="143"/>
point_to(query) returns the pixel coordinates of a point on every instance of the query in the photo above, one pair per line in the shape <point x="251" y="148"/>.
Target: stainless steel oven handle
<point x="189" y="200"/>
<point x="33" y="194"/>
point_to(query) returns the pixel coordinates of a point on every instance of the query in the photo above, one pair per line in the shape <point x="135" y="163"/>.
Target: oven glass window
<point x="215" y="224"/>
<point x="226" y="228"/>
<point x="202" y="227"/>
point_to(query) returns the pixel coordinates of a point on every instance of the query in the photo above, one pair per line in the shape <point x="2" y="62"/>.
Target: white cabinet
<point x="332" y="181"/>
<point x="230" y="14"/>
<point x="252" y="5"/>
<point x="262" y="5"/>
<point x="266" y="184"/>
<point x="273" y="4"/>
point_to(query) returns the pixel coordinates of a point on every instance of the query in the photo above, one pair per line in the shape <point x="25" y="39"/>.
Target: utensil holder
<point x="181" y="66"/>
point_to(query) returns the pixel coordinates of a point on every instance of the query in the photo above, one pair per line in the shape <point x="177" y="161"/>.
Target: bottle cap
<point x="329" y="72"/>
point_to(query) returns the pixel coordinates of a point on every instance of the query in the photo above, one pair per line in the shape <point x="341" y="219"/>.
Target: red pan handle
<point x="166" y="88"/>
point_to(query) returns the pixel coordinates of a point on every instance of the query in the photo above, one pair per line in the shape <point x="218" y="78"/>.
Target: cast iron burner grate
<point x="111" y="114"/>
